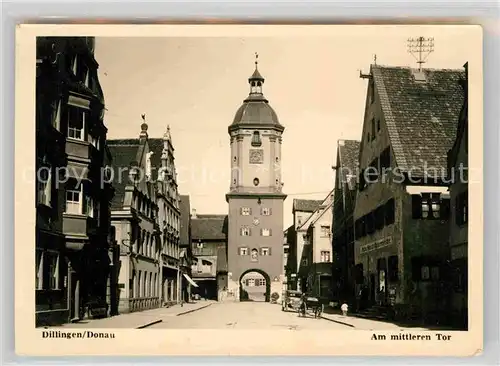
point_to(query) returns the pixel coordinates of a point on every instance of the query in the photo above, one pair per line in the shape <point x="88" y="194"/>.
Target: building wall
<point x="271" y="264"/>
<point x="459" y="242"/>
<point x="321" y="241"/>
<point x="72" y="262"/>
<point x="244" y="172"/>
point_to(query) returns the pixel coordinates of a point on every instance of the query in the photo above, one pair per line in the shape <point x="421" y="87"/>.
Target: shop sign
<point x="382" y="243"/>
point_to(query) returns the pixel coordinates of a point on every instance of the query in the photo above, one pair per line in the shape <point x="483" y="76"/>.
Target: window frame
<point x="82" y="113"/>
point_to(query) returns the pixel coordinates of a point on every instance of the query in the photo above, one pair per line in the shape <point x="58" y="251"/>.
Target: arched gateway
<point x="255" y="198"/>
<point x="255" y="285"/>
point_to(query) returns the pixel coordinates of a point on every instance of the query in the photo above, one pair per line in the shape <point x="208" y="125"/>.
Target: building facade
<point x="402" y="204"/>
<point x="209" y="246"/>
<point x="459" y="198"/>
<point x="318" y="251"/>
<point x="73" y="242"/>
<point x="134" y="216"/>
<point x="298" y="260"/>
<point x="187" y="258"/>
<point x="164" y="176"/>
<point x="346" y="173"/>
<point x="255" y="198"/>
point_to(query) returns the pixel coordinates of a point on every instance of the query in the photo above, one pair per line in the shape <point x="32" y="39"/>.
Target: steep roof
<point x="122" y="156"/>
<point x="306" y="205"/>
<point x="421" y="116"/>
<point x="348" y="151"/>
<point x="185" y="208"/>
<point x="209" y="228"/>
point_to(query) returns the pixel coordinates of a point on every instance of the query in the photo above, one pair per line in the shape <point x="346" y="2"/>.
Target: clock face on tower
<point x="256" y="156"/>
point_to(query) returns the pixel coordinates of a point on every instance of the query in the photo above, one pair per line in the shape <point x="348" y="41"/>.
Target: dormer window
<point x="256" y="141"/>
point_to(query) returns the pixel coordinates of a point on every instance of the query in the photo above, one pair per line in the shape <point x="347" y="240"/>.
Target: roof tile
<point x="421" y="117"/>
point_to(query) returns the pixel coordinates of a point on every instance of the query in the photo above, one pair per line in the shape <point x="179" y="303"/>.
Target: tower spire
<point x="256" y="80"/>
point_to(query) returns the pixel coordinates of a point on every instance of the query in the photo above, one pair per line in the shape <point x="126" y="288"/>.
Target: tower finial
<point x="256" y="59"/>
<point x="375" y="59"/>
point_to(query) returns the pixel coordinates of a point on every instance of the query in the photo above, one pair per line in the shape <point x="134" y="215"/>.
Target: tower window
<point x="277" y="159"/>
<point x="234" y="159"/>
<point x="256" y="141"/>
<point x="256" y="181"/>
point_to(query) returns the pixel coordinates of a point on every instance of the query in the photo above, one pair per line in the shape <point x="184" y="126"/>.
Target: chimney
<point x="193" y="213"/>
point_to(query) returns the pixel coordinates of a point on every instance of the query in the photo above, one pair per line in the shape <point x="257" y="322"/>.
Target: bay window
<point x="78" y="199"/>
<point x="73" y="197"/>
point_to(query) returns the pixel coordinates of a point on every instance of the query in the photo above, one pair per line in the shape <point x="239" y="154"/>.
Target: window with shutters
<point x="245" y="231"/>
<point x="266" y="211"/>
<point x="265" y="232"/>
<point x="265" y="251"/>
<point x="430" y="206"/>
<point x="246" y="211"/>
<point x="325" y="256"/>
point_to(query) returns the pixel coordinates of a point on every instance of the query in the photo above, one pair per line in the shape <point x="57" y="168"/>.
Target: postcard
<point x="232" y="189"/>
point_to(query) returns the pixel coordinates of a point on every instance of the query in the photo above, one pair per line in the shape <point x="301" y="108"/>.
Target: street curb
<point x="338" y="321"/>
<point x="149" y="324"/>
<point x="192" y="310"/>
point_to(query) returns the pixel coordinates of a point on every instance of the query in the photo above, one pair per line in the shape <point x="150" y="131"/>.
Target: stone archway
<point x="252" y="287"/>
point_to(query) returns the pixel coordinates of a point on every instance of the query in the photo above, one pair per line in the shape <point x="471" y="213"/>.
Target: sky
<point x="196" y="84"/>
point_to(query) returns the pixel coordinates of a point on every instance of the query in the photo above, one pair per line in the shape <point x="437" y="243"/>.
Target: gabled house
<point x="458" y="168"/>
<point x="134" y="213"/>
<point x="346" y="173"/>
<point x="402" y="204"/>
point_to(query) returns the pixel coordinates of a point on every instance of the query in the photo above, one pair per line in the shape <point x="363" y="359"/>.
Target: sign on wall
<point x="375" y="245"/>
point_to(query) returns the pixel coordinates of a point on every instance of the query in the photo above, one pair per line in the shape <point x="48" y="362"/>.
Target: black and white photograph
<point x="289" y="183"/>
